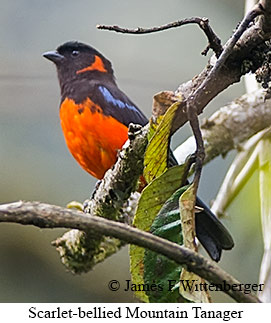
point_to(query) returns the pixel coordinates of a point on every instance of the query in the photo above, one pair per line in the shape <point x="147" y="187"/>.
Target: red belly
<point x="92" y="138"/>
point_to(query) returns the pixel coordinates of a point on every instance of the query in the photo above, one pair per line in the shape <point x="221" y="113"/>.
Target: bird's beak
<point x="53" y="56"/>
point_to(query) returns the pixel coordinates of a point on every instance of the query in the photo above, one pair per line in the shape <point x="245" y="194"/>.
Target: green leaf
<point x="187" y="217"/>
<point x="155" y="160"/>
<point x="155" y="195"/>
<point x="158" y="269"/>
<point x="152" y="199"/>
<point x="75" y="205"/>
<point x="137" y="270"/>
<point x="187" y="201"/>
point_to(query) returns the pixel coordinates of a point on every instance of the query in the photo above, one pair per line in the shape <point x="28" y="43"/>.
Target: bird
<point x="95" y="115"/>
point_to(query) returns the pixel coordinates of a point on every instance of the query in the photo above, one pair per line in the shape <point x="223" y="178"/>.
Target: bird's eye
<point x="75" y="53"/>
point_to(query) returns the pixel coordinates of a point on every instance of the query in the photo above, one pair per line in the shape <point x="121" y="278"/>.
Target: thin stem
<point x="203" y="23"/>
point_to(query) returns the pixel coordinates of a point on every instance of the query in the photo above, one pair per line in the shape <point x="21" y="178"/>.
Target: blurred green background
<point x="35" y="163"/>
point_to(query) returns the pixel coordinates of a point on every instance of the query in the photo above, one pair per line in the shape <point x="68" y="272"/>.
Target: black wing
<point x="116" y="104"/>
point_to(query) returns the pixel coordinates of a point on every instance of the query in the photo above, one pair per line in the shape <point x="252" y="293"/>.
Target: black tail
<point x="211" y="233"/>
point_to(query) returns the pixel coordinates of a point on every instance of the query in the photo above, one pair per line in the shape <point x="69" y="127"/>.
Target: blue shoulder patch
<point x="118" y="103"/>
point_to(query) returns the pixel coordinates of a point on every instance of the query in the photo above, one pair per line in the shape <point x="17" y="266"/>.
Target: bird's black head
<point x="75" y="60"/>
